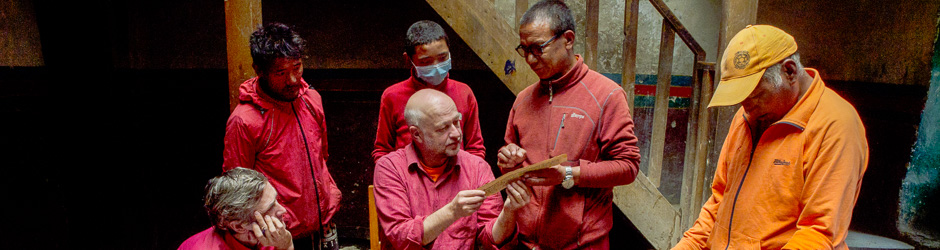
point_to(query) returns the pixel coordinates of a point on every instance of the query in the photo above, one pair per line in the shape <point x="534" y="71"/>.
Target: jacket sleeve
<point x="832" y="185"/>
<point x="385" y="131"/>
<point x="473" y="138"/>
<point x="240" y="148"/>
<point x="512" y="136"/>
<point x="402" y="231"/>
<point x="619" y="156"/>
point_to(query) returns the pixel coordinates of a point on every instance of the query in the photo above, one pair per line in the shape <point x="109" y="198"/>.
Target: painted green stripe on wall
<point x="646" y="101"/>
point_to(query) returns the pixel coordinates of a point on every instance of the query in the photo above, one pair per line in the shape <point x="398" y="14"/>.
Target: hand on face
<point x="467" y="202"/>
<point x="270" y="231"/>
<point x="510" y="156"/>
<point x="545" y="177"/>
<point x="517" y="196"/>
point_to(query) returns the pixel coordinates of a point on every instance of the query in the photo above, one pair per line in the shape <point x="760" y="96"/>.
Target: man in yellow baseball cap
<point x="792" y="164"/>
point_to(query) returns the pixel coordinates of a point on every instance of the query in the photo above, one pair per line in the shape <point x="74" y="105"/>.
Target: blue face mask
<point x="433" y="74"/>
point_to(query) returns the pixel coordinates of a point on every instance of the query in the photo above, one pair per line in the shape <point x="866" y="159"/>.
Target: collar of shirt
<point x="449" y="168"/>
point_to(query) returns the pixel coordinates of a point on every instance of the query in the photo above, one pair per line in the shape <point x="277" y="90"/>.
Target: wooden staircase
<point x="488" y="34"/>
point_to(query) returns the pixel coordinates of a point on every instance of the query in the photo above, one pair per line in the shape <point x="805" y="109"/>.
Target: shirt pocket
<point x="573" y="130"/>
<point x="719" y="239"/>
<point x="781" y="174"/>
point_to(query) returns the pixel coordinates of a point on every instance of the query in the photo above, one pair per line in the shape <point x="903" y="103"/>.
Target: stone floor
<point x="353" y="244"/>
<point x="858" y="240"/>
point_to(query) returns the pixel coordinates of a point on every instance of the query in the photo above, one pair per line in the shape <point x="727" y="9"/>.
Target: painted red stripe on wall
<point x="673" y="91"/>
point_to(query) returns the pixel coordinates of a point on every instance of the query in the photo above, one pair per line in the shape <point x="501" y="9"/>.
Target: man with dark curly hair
<point x="279" y="129"/>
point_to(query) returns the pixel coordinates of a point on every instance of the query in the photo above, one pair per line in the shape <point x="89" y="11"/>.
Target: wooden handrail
<point x="677" y="26"/>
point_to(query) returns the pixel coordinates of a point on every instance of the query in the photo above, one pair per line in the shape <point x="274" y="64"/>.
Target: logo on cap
<point x="741" y="58"/>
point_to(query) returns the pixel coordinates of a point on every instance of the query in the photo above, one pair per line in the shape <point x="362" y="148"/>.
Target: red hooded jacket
<point x="285" y="141"/>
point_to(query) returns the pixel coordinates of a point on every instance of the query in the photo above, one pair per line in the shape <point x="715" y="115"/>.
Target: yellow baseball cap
<point x="747" y="56"/>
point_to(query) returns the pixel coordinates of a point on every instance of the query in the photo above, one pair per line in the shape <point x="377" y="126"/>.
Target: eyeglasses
<point x="534" y="49"/>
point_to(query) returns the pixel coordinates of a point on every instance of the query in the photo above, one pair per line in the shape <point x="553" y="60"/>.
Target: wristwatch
<point x="569" y="179"/>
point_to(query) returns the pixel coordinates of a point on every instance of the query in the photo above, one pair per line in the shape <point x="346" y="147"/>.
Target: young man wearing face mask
<point x="428" y="55"/>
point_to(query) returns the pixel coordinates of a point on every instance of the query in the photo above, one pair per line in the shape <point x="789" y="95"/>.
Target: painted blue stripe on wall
<point x="642" y="79"/>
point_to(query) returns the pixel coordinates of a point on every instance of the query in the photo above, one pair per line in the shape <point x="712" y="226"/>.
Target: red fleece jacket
<point x="585" y="115"/>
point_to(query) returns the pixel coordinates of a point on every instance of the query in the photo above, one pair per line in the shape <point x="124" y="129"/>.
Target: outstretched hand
<point x="517" y="196"/>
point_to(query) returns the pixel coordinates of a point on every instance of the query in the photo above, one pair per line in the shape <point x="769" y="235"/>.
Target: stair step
<point x="862" y="241"/>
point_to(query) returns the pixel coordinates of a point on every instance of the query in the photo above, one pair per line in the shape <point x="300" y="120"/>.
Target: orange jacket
<point x="796" y="188"/>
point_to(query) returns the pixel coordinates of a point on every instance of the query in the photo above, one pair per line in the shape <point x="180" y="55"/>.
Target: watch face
<point x="567" y="183"/>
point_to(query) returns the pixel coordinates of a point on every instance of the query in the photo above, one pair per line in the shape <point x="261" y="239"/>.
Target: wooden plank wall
<point x="480" y="25"/>
<point x="19" y="34"/>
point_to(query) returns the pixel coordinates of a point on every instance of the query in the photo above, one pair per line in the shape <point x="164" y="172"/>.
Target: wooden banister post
<point x="242" y="17"/>
<point x="590" y="50"/>
<point x="661" y="108"/>
<point x="628" y="77"/>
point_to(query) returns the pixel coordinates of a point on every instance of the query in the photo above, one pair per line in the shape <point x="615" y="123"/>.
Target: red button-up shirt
<point x="210" y="239"/>
<point x="405" y="196"/>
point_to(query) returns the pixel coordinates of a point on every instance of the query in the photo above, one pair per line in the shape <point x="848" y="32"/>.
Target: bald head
<point x="434" y="124"/>
<point x="425" y="103"/>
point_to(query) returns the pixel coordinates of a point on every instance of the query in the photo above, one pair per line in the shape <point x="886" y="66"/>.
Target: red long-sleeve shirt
<point x="392" y="132"/>
<point x="585" y="115"/>
<point x="211" y="239"/>
<point x="405" y="195"/>
<point x="285" y="141"/>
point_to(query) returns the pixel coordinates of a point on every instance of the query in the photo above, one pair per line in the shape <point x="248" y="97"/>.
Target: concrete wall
<point x="919" y="209"/>
<point x="861" y="41"/>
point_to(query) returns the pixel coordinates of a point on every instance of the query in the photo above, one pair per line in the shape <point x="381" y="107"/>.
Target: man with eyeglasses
<point x="572" y="110"/>
<point x="428" y="55"/>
